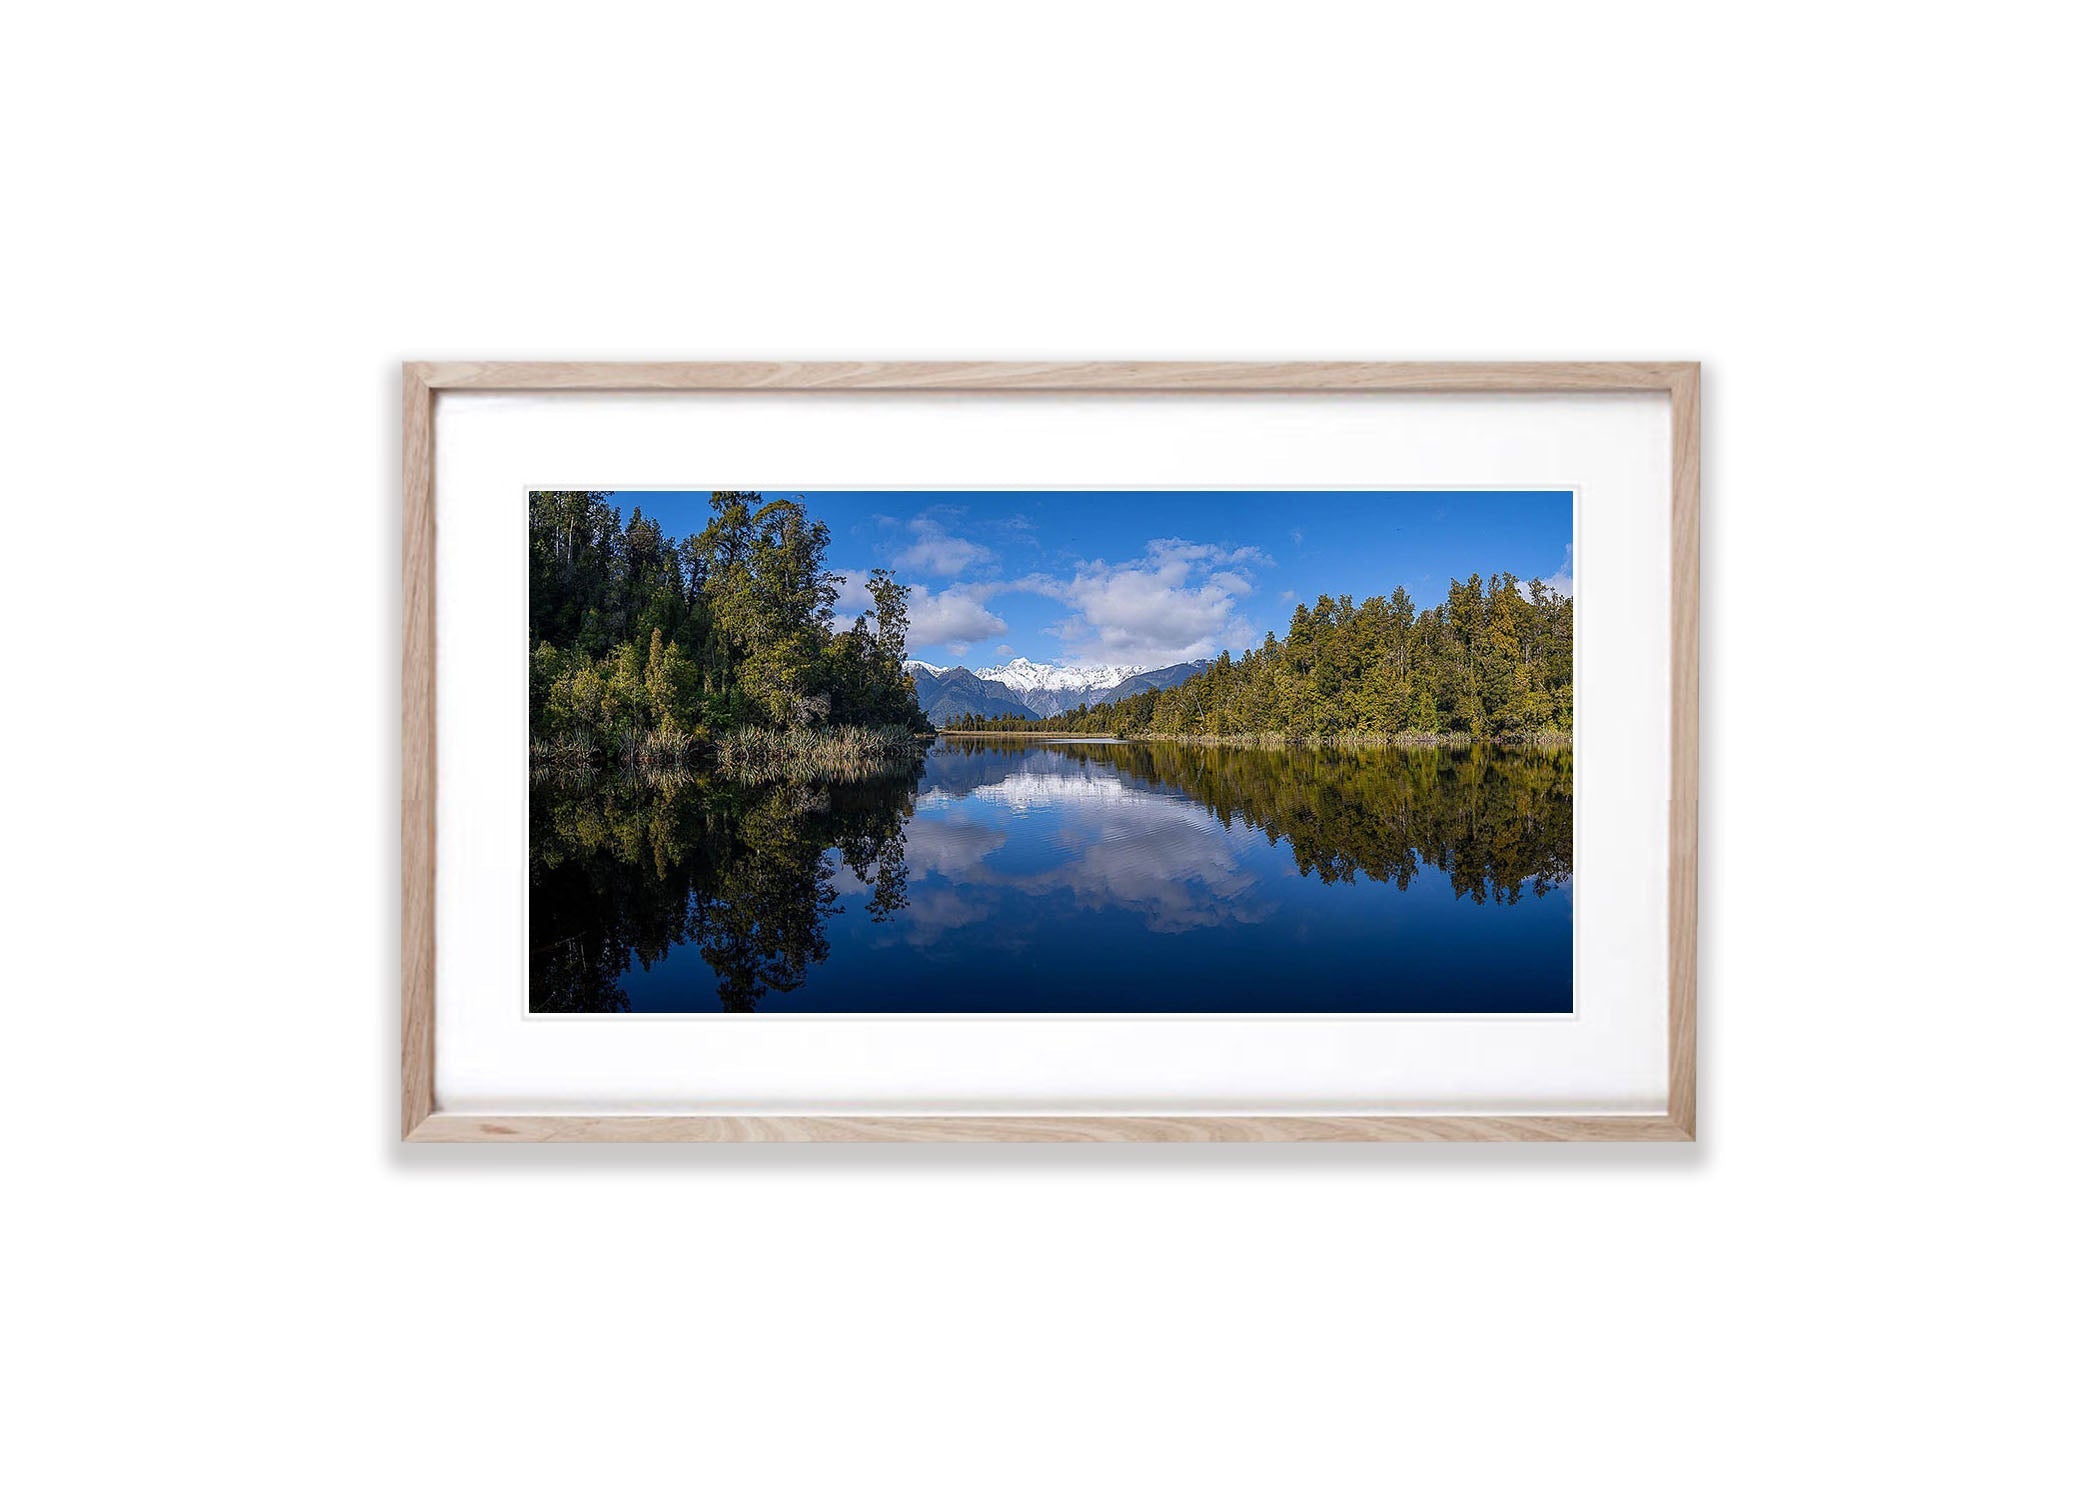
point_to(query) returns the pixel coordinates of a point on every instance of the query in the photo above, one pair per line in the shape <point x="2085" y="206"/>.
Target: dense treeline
<point x="1495" y="660"/>
<point x="643" y="644"/>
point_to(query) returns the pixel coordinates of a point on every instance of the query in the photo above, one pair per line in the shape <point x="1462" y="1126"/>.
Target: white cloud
<point x="1176" y="603"/>
<point x="934" y="549"/>
<point x="1172" y="549"/>
<point x="854" y="599"/>
<point x="1297" y="537"/>
<point x="954" y="617"/>
<point x="1563" y="582"/>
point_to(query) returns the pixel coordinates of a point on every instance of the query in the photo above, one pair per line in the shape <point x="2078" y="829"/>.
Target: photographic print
<point x="1022" y="752"/>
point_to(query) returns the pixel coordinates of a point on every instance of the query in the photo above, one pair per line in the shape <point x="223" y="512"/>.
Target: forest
<point x="1494" y="661"/>
<point x="647" y="649"/>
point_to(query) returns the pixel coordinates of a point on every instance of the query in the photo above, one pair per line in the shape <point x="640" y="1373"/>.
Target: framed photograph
<point x="1049" y="752"/>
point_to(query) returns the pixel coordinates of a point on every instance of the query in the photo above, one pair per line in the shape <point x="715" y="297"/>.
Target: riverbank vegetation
<point x="655" y="651"/>
<point x="1494" y="661"/>
<point x="846" y="753"/>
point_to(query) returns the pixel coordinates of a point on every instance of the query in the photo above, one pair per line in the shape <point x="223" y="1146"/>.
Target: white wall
<point x="228" y="224"/>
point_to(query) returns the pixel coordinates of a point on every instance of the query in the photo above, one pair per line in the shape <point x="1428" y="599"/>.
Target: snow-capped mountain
<point x="1025" y="676"/>
<point x="948" y="693"/>
<point x="1037" y="688"/>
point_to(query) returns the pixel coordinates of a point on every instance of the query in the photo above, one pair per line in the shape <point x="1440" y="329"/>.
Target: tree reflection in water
<point x="1496" y="821"/>
<point x="627" y="870"/>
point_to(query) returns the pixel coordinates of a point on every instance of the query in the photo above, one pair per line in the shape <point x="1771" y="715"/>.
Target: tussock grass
<point x="751" y="754"/>
<point x="656" y="750"/>
<point x="849" y="753"/>
<point x="576" y="753"/>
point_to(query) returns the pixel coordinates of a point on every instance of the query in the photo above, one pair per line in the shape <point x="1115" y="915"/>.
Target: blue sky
<point x="1148" y="577"/>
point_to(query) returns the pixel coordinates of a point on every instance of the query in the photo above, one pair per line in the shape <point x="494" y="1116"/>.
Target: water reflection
<point x="628" y="870"/>
<point x="1076" y="875"/>
<point x="1124" y="847"/>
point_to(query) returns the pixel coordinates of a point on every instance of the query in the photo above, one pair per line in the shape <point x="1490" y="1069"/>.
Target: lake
<point x="1019" y="874"/>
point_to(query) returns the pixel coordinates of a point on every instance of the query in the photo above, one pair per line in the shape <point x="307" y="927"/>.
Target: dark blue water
<point x="1071" y="876"/>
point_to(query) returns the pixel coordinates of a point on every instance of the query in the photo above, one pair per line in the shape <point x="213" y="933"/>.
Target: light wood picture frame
<point x="422" y="383"/>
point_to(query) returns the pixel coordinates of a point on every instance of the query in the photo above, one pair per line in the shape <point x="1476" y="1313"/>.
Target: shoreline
<point x="1284" y="742"/>
<point x="847" y="751"/>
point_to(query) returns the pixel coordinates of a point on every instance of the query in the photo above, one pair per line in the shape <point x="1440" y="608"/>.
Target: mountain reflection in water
<point x="1030" y="875"/>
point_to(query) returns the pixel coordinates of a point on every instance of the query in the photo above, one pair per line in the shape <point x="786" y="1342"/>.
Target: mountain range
<point x="1033" y="690"/>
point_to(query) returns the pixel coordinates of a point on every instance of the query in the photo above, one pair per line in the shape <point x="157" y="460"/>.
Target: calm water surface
<point x="1067" y="875"/>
